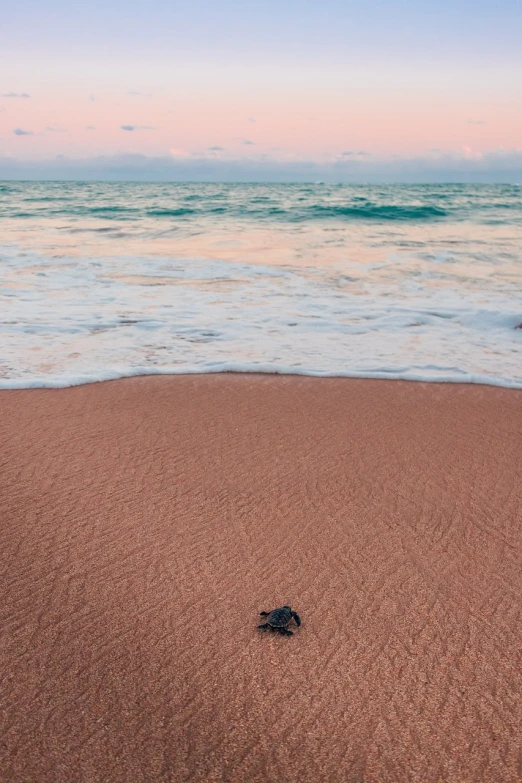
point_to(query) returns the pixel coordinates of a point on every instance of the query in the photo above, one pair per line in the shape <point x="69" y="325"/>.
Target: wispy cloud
<point x="22" y="132"/>
<point x="51" y="129"/>
<point x="251" y="119"/>
<point x="216" y="149"/>
<point x="92" y="97"/>
<point x="477" y="122"/>
<point x="142" y="94"/>
<point x="90" y="127"/>
<point x="14" y="95"/>
<point x="248" y="142"/>
<point x="137" y="127"/>
<point x="359" y="154"/>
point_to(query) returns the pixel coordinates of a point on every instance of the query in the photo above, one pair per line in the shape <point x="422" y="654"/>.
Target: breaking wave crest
<point x="372" y="211"/>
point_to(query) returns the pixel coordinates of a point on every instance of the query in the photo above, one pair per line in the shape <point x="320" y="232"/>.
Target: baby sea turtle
<point x="278" y="619"/>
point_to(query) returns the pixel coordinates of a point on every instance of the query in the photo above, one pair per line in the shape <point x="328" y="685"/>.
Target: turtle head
<point x="286" y="606"/>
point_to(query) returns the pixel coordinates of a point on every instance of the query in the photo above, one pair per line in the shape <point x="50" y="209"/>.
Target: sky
<point x="222" y="89"/>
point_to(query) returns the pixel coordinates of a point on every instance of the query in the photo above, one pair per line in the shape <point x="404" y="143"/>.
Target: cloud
<point x="137" y="127"/>
<point x="21" y="132"/>
<point x="360" y="154"/>
<point x="498" y="166"/>
<point x="248" y="142"/>
<point x="137" y="92"/>
<point x="91" y="97"/>
<point x="14" y="95"/>
<point x="251" y="119"/>
<point x="50" y="129"/>
<point x="216" y="149"/>
<point x="90" y="127"/>
<point x="470" y="153"/>
<point x="477" y="122"/>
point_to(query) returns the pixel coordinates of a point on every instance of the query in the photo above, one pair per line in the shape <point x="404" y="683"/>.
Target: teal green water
<point x="280" y="203"/>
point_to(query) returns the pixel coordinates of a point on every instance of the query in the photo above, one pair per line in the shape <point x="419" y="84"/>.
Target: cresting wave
<point x="364" y="212"/>
<point x="371" y="211"/>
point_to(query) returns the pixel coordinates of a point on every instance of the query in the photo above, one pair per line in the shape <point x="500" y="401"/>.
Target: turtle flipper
<point x="265" y="625"/>
<point x="285" y="632"/>
<point x="264" y="613"/>
<point x="296" y="618"/>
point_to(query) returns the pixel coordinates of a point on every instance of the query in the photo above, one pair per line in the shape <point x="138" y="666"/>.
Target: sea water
<point x="107" y="280"/>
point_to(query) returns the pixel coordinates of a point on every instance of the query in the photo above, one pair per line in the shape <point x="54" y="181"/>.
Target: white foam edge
<point x="442" y="375"/>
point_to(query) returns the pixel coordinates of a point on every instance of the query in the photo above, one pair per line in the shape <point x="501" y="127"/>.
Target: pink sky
<point x="300" y="82"/>
<point x="286" y="115"/>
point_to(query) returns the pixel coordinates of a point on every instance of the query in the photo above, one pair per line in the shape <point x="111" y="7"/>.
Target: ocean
<point x="108" y="280"/>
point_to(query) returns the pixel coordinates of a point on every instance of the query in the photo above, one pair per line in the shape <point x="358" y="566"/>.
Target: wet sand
<point x="146" y="522"/>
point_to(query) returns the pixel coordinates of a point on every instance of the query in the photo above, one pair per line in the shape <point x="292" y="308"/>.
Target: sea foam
<point x="69" y="320"/>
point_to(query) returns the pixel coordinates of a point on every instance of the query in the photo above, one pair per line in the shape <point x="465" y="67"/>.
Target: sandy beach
<point x="146" y="522"/>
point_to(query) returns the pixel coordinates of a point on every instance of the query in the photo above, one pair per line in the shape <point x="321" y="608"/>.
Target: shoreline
<point x="227" y="369"/>
<point x="147" y="521"/>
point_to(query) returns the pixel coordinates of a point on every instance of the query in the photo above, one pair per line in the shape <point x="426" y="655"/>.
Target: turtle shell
<point x="279" y="618"/>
